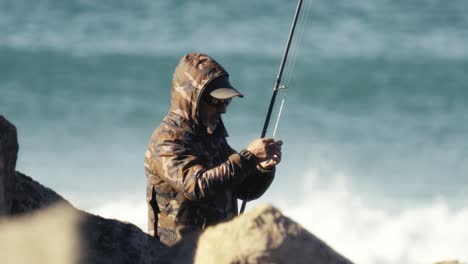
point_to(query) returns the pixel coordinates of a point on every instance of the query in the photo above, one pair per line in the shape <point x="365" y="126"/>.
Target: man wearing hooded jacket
<point x="194" y="177"/>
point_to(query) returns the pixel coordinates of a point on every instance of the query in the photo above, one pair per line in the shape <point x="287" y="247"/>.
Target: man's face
<point x="211" y="110"/>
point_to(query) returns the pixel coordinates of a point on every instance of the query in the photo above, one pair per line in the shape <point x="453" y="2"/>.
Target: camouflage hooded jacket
<point x="195" y="178"/>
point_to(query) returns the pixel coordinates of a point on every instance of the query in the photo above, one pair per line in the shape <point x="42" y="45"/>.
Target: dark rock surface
<point x="30" y="195"/>
<point x="8" y="155"/>
<point x="112" y="241"/>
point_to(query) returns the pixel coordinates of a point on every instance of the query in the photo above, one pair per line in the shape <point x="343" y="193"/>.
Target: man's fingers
<point x="268" y="164"/>
<point x="265" y="148"/>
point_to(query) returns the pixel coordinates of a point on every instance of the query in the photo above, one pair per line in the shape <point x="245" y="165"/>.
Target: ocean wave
<point x="362" y="29"/>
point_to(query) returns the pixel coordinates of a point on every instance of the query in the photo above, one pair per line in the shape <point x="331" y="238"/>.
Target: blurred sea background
<point x="375" y="155"/>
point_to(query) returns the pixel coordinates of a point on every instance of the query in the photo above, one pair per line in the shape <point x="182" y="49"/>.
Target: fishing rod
<point x="277" y="86"/>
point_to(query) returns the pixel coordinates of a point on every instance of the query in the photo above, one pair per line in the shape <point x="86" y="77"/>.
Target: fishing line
<point x="302" y="25"/>
<point x="292" y="61"/>
<point x="292" y="64"/>
<point x="278" y="116"/>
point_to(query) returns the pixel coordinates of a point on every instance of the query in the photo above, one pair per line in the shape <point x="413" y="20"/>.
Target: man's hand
<point x="267" y="151"/>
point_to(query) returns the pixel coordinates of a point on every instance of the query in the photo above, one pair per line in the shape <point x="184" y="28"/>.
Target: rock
<point x="45" y="236"/>
<point x="61" y="234"/>
<point x="112" y="241"/>
<point x="30" y="196"/>
<point x="23" y="200"/>
<point x="8" y="155"/>
<point x="263" y="235"/>
<point x="101" y="240"/>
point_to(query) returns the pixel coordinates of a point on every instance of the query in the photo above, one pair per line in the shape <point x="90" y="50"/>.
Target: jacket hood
<point x="191" y="75"/>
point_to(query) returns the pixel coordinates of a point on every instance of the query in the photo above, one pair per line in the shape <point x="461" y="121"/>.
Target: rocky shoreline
<point x="37" y="225"/>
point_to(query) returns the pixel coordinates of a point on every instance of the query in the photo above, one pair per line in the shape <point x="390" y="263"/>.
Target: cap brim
<point x="225" y="93"/>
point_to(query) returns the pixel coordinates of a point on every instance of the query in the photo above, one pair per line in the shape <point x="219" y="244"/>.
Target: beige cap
<point x="221" y="88"/>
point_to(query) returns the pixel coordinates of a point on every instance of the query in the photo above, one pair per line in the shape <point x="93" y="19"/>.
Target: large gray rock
<point x="112" y="241"/>
<point x="100" y="240"/>
<point x="8" y="155"/>
<point x="30" y="196"/>
<point x="263" y="235"/>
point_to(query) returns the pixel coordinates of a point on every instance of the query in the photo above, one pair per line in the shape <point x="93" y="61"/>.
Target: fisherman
<point x="194" y="177"/>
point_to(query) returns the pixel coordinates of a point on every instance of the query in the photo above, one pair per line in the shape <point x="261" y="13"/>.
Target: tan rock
<point x="47" y="236"/>
<point x="263" y="235"/>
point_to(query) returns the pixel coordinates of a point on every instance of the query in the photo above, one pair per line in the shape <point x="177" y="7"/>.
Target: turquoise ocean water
<point x="375" y="155"/>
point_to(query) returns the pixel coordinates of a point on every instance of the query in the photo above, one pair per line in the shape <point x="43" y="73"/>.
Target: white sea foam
<point x="422" y="233"/>
<point x="128" y="208"/>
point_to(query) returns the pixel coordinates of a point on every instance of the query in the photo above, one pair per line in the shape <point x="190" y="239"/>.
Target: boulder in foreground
<point x="263" y="235"/>
<point x="45" y="236"/>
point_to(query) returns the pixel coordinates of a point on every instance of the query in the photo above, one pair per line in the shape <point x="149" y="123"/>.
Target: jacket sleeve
<point x="177" y="164"/>
<point x="255" y="184"/>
